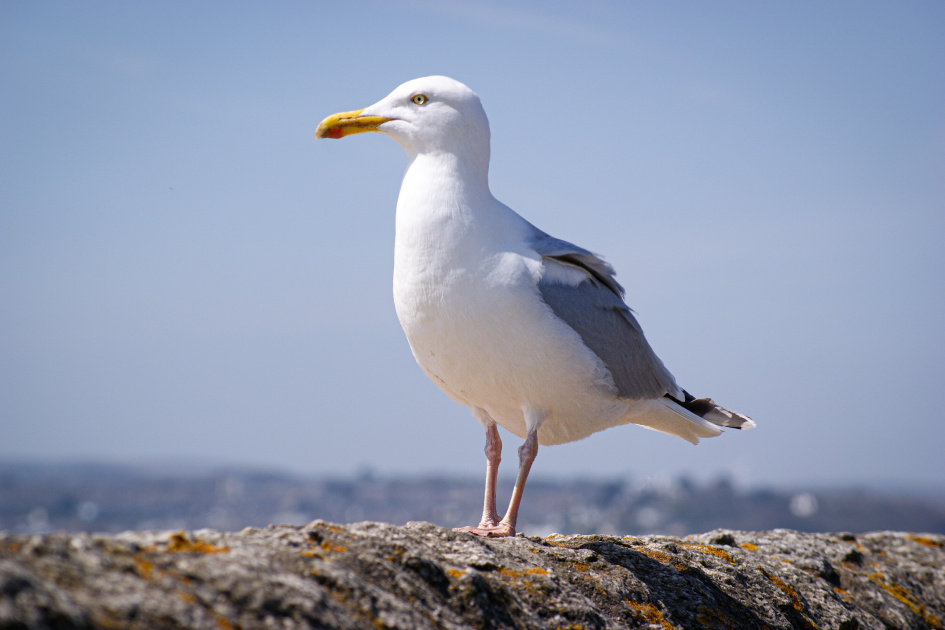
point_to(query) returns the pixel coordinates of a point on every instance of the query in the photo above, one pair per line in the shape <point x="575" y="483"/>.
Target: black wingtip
<point x="708" y="409"/>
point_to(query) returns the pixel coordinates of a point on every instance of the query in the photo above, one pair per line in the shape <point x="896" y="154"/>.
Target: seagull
<point x="528" y="331"/>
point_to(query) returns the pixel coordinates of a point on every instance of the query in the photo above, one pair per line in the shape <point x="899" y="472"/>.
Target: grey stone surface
<point x="373" y="575"/>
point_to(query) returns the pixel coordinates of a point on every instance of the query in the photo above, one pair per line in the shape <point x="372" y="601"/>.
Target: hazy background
<point x="187" y="276"/>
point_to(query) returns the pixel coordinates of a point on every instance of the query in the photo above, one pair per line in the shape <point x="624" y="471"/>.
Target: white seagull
<point x="528" y="331"/>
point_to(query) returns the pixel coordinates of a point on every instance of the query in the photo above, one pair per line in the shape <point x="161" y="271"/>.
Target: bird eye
<point x="419" y="99"/>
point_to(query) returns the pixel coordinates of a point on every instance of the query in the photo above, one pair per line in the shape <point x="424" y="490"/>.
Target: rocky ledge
<point x="373" y="575"/>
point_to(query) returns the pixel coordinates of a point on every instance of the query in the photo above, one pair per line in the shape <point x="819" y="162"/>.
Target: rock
<point x="373" y="575"/>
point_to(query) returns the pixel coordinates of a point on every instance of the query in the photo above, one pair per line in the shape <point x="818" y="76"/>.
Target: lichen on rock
<point x="374" y="575"/>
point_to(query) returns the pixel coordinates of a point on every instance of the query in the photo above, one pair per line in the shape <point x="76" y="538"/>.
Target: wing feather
<point x="593" y="306"/>
<point x="607" y="326"/>
<point x="565" y="252"/>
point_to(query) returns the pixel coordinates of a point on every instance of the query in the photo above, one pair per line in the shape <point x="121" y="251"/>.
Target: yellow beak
<point x="348" y="123"/>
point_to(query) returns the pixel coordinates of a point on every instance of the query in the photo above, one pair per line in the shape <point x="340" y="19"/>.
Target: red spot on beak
<point x="334" y="132"/>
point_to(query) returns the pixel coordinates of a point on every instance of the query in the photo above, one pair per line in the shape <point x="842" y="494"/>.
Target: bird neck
<point x="445" y="185"/>
<point x="446" y="217"/>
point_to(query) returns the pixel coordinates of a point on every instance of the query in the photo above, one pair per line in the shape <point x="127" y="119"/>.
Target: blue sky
<point x="186" y="275"/>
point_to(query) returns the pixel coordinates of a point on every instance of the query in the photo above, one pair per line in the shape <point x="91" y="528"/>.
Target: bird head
<point x="428" y="115"/>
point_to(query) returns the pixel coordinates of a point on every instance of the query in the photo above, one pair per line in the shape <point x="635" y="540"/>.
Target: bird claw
<point x="488" y="530"/>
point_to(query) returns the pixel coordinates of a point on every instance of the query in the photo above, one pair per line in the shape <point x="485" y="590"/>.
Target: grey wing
<point x="569" y="253"/>
<point x="595" y="310"/>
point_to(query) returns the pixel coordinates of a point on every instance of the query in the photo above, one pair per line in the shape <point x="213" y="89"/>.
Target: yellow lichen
<point x="580" y="566"/>
<point x="842" y="593"/>
<point x="903" y="596"/>
<point x="663" y="558"/>
<point x="327" y="545"/>
<point x="187" y="597"/>
<point x="924" y="540"/>
<point x="537" y="571"/>
<point x="179" y="543"/>
<point x="512" y="573"/>
<point x="144" y="568"/>
<point x="557" y="543"/>
<point x="659" y="556"/>
<point x="715" y="619"/>
<point x="709" y="549"/>
<point x="749" y="546"/>
<point x="456" y="572"/>
<point x="649" y="613"/>
<point x="147" y="570"/>
<point x="788" y="590"/>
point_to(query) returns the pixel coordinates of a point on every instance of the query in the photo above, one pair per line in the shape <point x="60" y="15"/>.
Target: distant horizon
<point x="184" y="467"/>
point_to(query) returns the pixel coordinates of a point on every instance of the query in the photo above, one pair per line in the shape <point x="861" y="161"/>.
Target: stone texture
<point x="373" y="575"/>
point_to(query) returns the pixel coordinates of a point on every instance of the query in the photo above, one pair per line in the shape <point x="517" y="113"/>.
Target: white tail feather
<point x="665" y="416"/>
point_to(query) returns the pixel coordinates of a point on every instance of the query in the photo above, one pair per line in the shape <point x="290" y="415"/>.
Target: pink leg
<point x="493" y="450"/>
<point x="526" y="455"/>
<point x="506" y="527"/>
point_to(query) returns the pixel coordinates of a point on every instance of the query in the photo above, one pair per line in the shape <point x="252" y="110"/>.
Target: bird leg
<point x="493" y="450"/>
<point x="488" y="528"/>
<point x="526" y="455"/>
